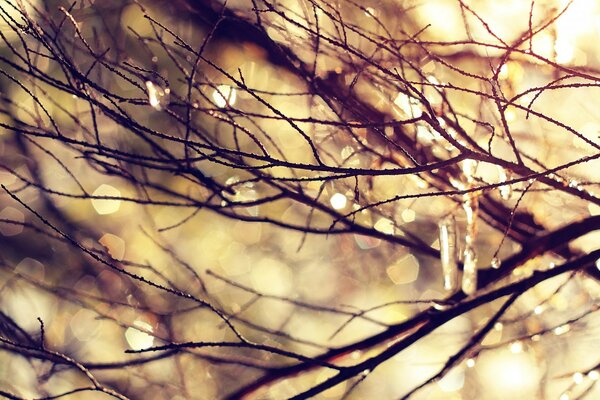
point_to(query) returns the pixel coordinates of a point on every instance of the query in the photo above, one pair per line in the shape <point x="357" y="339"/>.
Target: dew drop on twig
<point x="496" y="263"/>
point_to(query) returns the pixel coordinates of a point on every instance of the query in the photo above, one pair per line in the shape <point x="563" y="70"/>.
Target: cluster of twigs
<point x="379" y="103"/>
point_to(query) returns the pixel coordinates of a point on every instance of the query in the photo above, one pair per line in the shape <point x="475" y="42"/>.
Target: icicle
<point x="506" y="190"/>
<point x="469" y="281"/>
<point x="471" y="207"/>
<point x="448" y="252"/>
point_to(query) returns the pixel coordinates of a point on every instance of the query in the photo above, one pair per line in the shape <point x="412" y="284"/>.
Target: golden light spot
<point x="565" y="51"/>
<point x="138" y="339"/>
<point x="338" y="201"/>
<point x="224" y="95"/>
<point x="384" y="225"/>
<point x="408" y="215"/>
<point x="506" y="374"/>
<point x="366" y="242"/>
<point x="105" y="206"/>
<point x="270" y="276"/>
<point x="594" y="209"/>
<point x="114" y="245"/>
<point x="14" y="219"/>
<point x="405" y="270"/>
<point x="84" y="325"/>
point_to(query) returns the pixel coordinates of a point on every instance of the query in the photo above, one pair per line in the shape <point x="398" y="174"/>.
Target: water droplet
<point x="516" y="347"/>
<point x="370" y="12"/>
<point x="561" y="330"/>
<point x="441" y="306"/>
